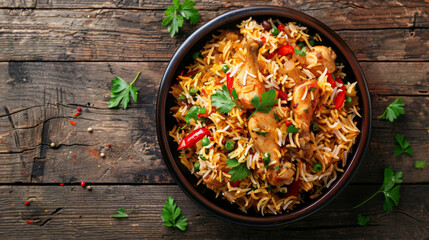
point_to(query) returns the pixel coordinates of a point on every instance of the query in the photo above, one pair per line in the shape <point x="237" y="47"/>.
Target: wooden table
<point x="57" y="55"/>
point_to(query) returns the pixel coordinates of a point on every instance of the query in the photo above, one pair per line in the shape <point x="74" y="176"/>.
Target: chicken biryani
<point x="265" y="116"/>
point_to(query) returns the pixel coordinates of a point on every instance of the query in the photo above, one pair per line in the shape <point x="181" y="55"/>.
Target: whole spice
<point x="79" y="109"/>
<point x="82" y="184"/>
<point x="61" y="184"/>
<point x="27" y="203"/>
<point x="102" y="154"/>
<point x="52" y="145"/>
<point x="89" y="129"/>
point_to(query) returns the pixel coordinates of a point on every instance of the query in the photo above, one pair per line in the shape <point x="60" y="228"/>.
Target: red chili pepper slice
<point x="288" y="123"/>
<point x="77" y="114"/>
<point x="285" y="50"/>
<point x="193" y="138"/>
<point x="331" y="81"/>
<point x="339" y="99"/>
<point x="293" y="189"/>
<point x="263" y="39"/>
<point x="189" y="74"/>
<point x="282" y="95"/>
<point x="229" y="83"/>
<point x="72" y="123"/>
<point x="235" y="184"/>
<point x="281" y="27"/>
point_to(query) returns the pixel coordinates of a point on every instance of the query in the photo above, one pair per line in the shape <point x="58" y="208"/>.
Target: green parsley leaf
<point x="402" y="146"/>
<point x="172" y="216"/>
<point x="232" y="162"/>
<point x="277" y="168"/>
<point x="263" y="133"/>
<point x="121" y="92"/>
<point x="363" y="220"/>
<point x="393" y="110"/>
<point x="267" y="100"/>
<point x="238" y="171"/>
<point x="121" y="213"/>
<point x="292" y="129"/>
<point x="222" y="99"/>
<point x="193" y="113"/>
<point x="300" y="52"/>
<point x="176" y="13"/>
<point x="419" y="164"/>
<point x="390" y="189"/>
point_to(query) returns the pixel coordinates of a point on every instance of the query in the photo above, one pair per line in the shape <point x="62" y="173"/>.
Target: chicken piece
<point x="247" y="89"/>
<point x="305" y="98"/>
<point x="266" y="122"/>
<point x="214" y="184"/>
<point x="325" y="56"/>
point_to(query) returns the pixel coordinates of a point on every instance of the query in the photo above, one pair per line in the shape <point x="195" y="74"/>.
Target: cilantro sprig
<point x="393" y="111"/>
<point x="402" y="146"/>
<point x="172" y="216"/>
<point x="268" y="99"/>
<point x="121" y="92"/>
<point x="120" y="213"/>
<point x="292" y="129"/>
<point x="176" y="13"/>
<point x="222" y="99"/>
<point x="193" y="114"/>
<point x="390" y="189"/>
<point x="363" y="220"/>
<point x="238" y="171"/>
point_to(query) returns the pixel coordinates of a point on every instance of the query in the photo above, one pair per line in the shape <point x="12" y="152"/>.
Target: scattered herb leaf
<point x="300" y="52"/>
<point x="267" y="100"/>
<point x="292" y="129"/>
<point x="238" y="171"/>
<point x="363" y="220"/>
<point x="393" y="110"/>
<point x="222" y="99"/>
<point x="172" y="216"/>
<point x="419" y="164"/>
<point x="277" y="168"/>
<point x="390" y="189"/>
<point x="276" y="117"/>
<point x="121" y="213"/>
<point x="263" y="133"/>
<point x="121" y="92"/>
<point x="193" y="113"/>
<point x="402" y="146"/>
<point x="176" y="13"/>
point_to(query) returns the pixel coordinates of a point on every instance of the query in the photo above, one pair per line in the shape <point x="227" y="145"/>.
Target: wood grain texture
<point x="41" y="98"/>
<point x="351" y="14"/>
<point x="134" y="35"/>
<point x="86" y="214"/>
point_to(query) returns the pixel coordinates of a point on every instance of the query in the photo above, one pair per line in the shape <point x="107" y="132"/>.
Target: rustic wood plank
<point x="41" y="99"/>
<point x="86" y="214"/>
<point x="359" y="13"/>
<point x="18" y="4"/>
<point x="134" y="35"/>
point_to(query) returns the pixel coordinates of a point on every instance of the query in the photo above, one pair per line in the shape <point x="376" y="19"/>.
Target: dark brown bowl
<point x="204" y="197"/>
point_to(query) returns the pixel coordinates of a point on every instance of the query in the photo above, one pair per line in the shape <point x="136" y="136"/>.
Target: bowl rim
<point x="360" y="147"/>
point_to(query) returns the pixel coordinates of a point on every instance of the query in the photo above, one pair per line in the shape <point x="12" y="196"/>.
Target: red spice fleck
<point x="74" y="132"/>
<point x="281" y="27"/>
<point x="263" y="39"/>
<point x="74" y="161"/>
<point x="72" y="123"/>
<point x="82" y="184"/>
<point x="131" y="157"/>
<point x="109" y="146"/>
<point x="235" y="184"/>
<point x="211" y="138"/>
<point x="288" y="123"/>
<point x="61" y="184"/>
<point x="79" y="109"/>
<point x="30" y="221"/>
<point x="77" y="114"/>
<point x="74" y="154"/>
<point x="27" y="203"/>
